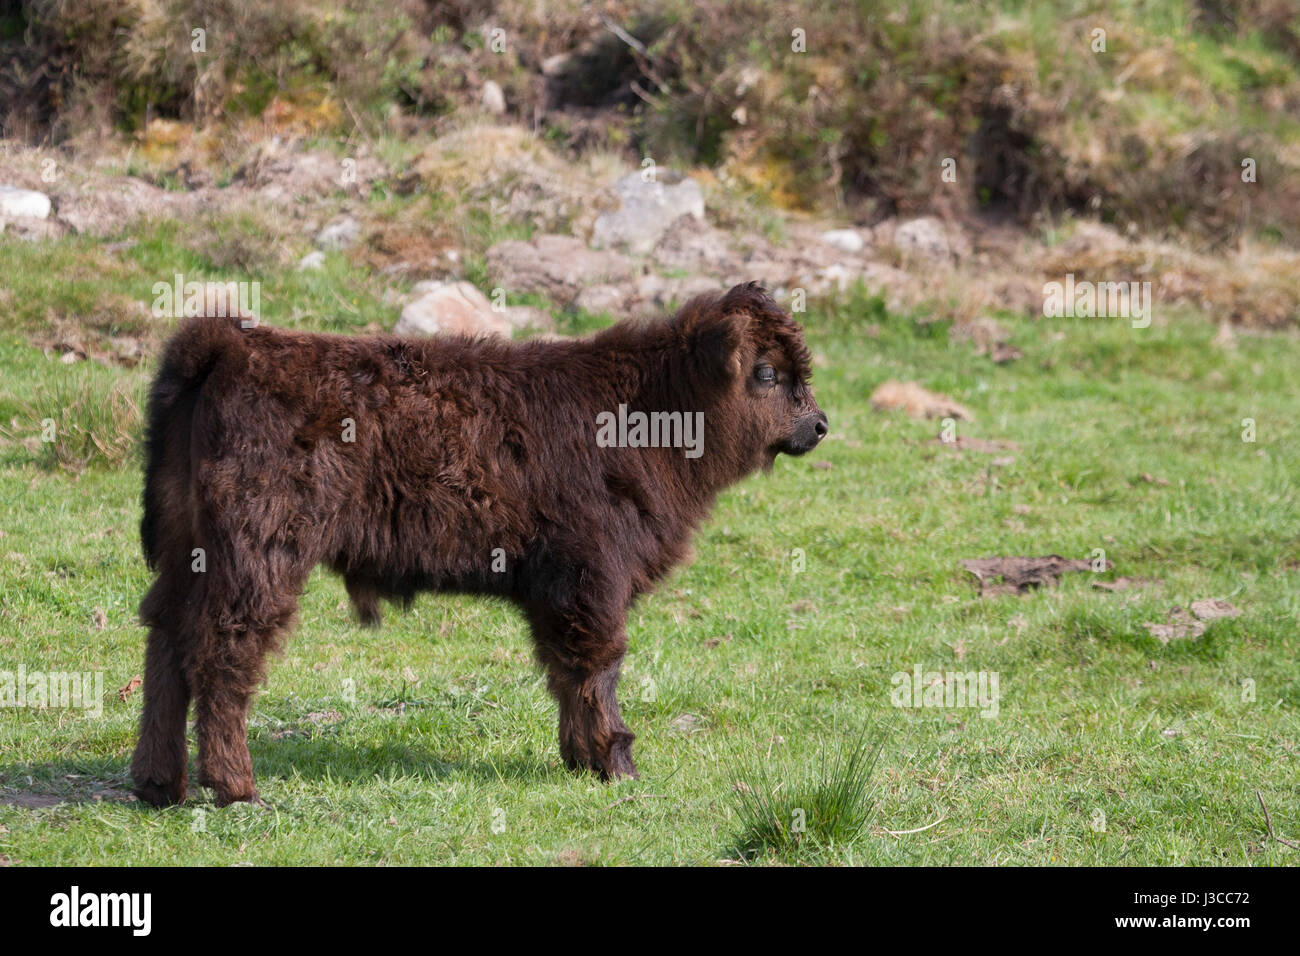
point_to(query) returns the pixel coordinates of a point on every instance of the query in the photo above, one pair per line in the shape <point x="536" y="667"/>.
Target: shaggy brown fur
<point x="460" y="447"/>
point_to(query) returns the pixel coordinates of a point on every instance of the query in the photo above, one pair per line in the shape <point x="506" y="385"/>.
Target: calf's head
<point x="751" y="358"/>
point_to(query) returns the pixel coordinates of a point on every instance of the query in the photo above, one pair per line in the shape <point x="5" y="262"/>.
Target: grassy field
<point x="432" y="740"/>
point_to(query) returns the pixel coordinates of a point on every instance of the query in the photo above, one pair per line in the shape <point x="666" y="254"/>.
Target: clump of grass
<point x="245" y="241"/>
<point x="79" y="422"/>
<point x="790" y="813"/>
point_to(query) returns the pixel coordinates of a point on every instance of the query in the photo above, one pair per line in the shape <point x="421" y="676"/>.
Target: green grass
<point x="432" y="740"/>
<point x="785" y="811"/>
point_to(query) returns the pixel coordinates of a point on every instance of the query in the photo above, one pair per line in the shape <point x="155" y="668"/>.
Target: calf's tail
<point x="188" y="359"/>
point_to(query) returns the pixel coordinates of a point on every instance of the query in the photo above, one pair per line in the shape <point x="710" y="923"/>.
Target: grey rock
<point x="603" y="300"/>
<point x="646" y="210"/>
<point x="556" y="266"/>
<point x="845" y="240"/>
<point x="692" y="246"/>
<point x="339" y="233"/>
<point x="16" y="203"/>
<point x="111" y="203"/>
<point x="29" y="229"/>
<point x="931" y="239"/>
<point x="451" y="308"/>
<point x="494" y="98"/>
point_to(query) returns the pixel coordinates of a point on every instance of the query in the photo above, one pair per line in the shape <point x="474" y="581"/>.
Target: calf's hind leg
<point x="158" y="765"/>
<point x="227" y="669"/>
<point x="220" y="712"/>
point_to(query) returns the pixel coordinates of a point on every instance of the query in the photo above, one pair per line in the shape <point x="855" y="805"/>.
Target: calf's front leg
<point x="582" y="665"/>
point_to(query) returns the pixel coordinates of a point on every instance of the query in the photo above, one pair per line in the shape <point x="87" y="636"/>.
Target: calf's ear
<point x="713" y="342"/>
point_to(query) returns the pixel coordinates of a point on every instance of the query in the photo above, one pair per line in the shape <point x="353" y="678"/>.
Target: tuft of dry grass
<point x="76" y="423"/>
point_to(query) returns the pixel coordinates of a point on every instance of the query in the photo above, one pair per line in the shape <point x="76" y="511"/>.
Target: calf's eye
<point x="765" y="373"/>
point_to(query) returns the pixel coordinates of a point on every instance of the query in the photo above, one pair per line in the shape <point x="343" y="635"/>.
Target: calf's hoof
<point x="160" y="794"/>
<point x="619" y="767"/>
<point x="225" y="799"/>
<point x="226" y="792"/>
<point x="620" y="773"/>
<point x="615" y="763"/>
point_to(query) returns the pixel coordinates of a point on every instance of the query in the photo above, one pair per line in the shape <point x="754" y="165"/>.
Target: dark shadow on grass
<point x="108" y="780"/>
<point x="69" y="781"/>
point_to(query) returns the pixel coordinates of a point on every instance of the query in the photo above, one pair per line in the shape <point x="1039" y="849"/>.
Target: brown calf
<point x="567" y="476"/>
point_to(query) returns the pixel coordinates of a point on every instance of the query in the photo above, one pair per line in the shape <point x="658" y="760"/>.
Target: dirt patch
<point x="1250" y="287"/>
<point x="917" y="401"/>
<point x="31" y="801"/>
<point x="87" y="792"/>
<point x="1178" y="625"/>
<point x="409" y="250"/>
<point x="1210" y="609"/>
<point x="1181" y="624"/>
<point x="1018" y="574"/>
